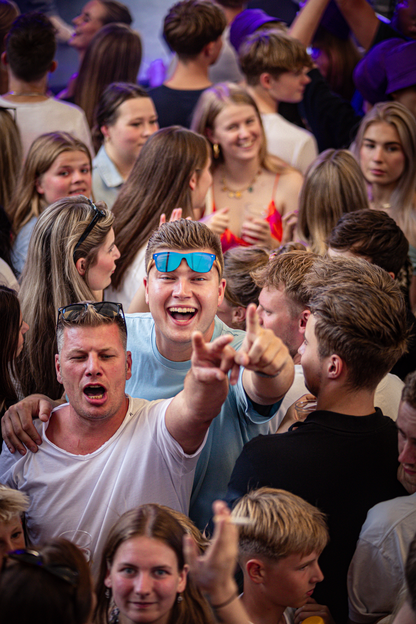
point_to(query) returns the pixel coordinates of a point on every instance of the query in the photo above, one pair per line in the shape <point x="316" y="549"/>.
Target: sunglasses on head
<point x="34" y="558"/>
<point x="198" y="261"/>
<point x="98" y="214"/>
<point x="109" y="309"/>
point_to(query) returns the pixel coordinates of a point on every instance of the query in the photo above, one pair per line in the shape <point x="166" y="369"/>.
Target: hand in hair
<point x="176" y="214"/>
<point x="289" y="223"/>
<point x="218" y="221"/>
<point x="257" y="232"/>
<point x="17" y="426"/>
<point x="311" y="609"/>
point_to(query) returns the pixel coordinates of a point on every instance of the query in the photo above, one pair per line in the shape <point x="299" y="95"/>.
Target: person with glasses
<point x="48" y="585"/>
<point x="104" y="452"/>
<point x="184" y="286"/>
<point x="71" y="257"/>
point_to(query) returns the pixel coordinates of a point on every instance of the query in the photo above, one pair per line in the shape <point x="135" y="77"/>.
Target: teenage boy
<point x="275" y="67"/>
<point x="13" y="504"/>
<point x="193" y="30"/>
<point x="278" y="554"/>
<point x="343" y="456"/>
<point x="29" y="57"/>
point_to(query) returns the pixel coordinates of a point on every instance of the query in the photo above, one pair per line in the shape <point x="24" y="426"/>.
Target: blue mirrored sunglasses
<point x="198" y="261"/>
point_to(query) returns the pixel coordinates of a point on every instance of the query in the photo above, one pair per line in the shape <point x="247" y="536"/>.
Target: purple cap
<point x="401" y="66"/>
<point x="246" y="23"/>
<point x="370" y="75"/>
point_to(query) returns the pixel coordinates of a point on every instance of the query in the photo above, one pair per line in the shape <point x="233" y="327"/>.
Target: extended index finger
<point x="252" y="322"/>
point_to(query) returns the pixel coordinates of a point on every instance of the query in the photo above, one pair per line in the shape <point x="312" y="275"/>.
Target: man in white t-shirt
<point x="103" y="452"/>
<point x="275" y="66"/>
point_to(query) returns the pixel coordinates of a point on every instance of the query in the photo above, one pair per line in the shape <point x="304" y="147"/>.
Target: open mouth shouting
<point x="182" y="313"/>
<point x="95" y="393"/>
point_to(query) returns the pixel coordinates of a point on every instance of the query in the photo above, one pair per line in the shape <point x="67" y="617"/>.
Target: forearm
<point x="361" y="19"/>
<point x="266" y="390"/>
<point x="306" y="22"/>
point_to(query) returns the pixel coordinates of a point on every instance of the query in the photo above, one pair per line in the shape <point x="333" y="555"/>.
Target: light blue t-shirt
<point x="155" y="377"/>
<point x="21" y="245"/>
<point x="106" y="179"/>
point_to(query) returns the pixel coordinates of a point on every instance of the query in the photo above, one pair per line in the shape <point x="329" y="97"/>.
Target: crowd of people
<point x="208" y="287"/>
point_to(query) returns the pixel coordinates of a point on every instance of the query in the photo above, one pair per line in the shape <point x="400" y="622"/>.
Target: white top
<point x="140" y="463"/>
<point x="51" y="115"/>
<point x="376" y="574"/>
<point x="387" y="397"/>
<point x="292" y="144"/>
<point x="133" y="278"/>
<point x="7" y="277"/>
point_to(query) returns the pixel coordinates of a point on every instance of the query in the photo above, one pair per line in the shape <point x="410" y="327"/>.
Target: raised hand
<point x="211" y="361"/>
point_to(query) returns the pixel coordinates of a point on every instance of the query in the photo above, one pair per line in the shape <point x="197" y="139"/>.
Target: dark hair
<point x="191" y="24"/>
<point x="158" y="183"/>
<point x="116" y="12"/>
<point x="114" y="55"/>
<point x="373" y="235"/>
<point x="113" y="97"/>
<point x="8" y="13"/>
<point x="152" y="521"/>
<point x="409" y="391"/>
<point x="9" y="339"/>
<point x="31" y="46"/>
<point x="30" y="594"/>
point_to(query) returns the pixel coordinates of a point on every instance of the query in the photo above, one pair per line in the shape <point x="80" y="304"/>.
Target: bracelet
<point x="225" y="603"/>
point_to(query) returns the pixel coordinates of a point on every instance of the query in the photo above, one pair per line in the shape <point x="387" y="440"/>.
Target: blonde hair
<point x="12" y="503"/>
<point x="26" y="201"/>
<point x="273" y="52"/>
<point x="283" y="524"/>
<point x="398" y="116"/>
<point x="212" y="102"/>
<point x="51" y="280"/>
<point x="333" y="185"/>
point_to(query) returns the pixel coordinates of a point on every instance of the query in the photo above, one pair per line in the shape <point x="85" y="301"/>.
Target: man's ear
<point x="336" y="366"/>
<point x="303" y="319"/>
<point x="265" y="80"/>
<point x="238" y="314"/>
<point x="221" y="291"/>
<point x="58" y="368"/>
<point x="255" y="571"/>
<point x="4" y="59"/>
<point x="128" y="365"/>
<point x="146" y="289"/>
<point x="53" y="66"/>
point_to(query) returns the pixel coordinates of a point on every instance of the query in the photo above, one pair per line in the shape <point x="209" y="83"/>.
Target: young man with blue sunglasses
<point x="184" y="286"/>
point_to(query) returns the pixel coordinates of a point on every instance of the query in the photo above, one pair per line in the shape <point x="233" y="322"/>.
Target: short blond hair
<point x="273" y="52"/>
<point x="283" y="524"/>
<point x="12" y="503"/>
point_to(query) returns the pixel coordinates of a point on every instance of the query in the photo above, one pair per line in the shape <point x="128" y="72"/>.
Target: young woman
<point x="11" y="345"/>
<point x="124" y="120"/>
<point x="171" y="172"/>
<point x="57" y="165"/>
<point x="48" y="585"/>
<point x="252" y="191"/>
<point x="385" y="147"/>
<point x="333" y="185"/>
<point x="71" y="258"/>
<point x="143" y="576"/>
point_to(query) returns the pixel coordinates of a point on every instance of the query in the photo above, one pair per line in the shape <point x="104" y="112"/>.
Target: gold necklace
<point x="238" y="194"/>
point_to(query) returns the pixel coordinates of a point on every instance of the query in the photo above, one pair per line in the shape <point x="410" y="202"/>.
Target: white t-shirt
<point x="51" y="115"/>
<point x="387" y="397"/>
<point x="292" y="144"/>
<point x="140" y="463"/>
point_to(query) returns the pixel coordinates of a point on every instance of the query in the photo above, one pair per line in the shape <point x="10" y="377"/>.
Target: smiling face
<point x="382" y="159"/>
<point x="99" y="274"/>
<point x="70" y="174"/>
<point x="11" y="536"/>
<point x="292" y="579"/>
<point x="93" y="367"/>
<point x="289" y="86"/>
<point x="406" y="427"/>
<point x="237" y="129"/>
<point x="182" y="302"/>
<point x="87" y="24"/>
<point x="136" y="122"/>
<point x="145" y="580"/>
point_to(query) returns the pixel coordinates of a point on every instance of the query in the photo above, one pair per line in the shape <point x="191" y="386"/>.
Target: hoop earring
<point x="216" y="150"/>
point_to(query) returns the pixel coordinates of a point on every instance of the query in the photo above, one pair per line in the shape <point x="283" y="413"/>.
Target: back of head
<point x="272" y="52"/>
<point x="9" y="338"/>
<point x="31" y="46"/>
<point x="116" y="12"/>
<point x="360" y="315"/>
<point x="283" y="524"/>
<point x="181" y="235"/>
<point x="190" y="25"/>
<point x="239" y="263"/>
<point x="158" y="183"/>
<point x="51" y="280"/>
<point x="409" y="390"/>
<point x="10" y="156"/>
<point x="12" y="503"/>
<point x="288" y="271"/>
<point x="52" y="585"/>
<point x="333" y="185"/>
<point x="114" y="55"/>
<point x="373" y="235"/>
<point x="26" y="202"/>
